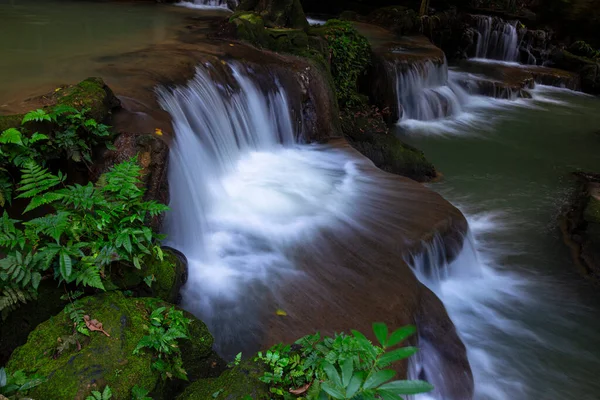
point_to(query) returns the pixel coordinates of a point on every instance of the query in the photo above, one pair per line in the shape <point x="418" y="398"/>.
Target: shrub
<point x="340" y="367"/>
<point x="91" y="227"/>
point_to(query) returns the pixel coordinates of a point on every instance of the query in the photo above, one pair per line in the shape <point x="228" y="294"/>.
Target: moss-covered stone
<point x="91" y="93"/>
<point x="169" y="276"/>
<point x="10" y="121"/>
<point x="234" y="384"/>
<point x="367" y="132"/>
<point x="102" y="360"/>
<point x="398" y="19"/>
<point x="587" y="68"/>
<point x="277" y="13"/>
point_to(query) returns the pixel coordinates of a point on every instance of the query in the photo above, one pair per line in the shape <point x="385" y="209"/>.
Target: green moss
<point x="592" y="210"/>
<point x="169" y="276"/>
<point x="231" y="385"/>
<point x="102" y="360"/>
<point x="367" y="132"/>
<point x="10" y="121"/>
<point x="91" y="93"/>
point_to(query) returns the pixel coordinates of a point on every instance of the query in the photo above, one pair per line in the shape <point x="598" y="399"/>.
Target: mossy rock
<point x="367" y="132"/>
<point x="398" y="19"/>
<point x="277" y="13"/>
<point x="233" y="384"/>
<point x="102" y="360"/>
<point x="20" y="322"/>
<point x="169" y="276"/>
<point x="10" y="121"/>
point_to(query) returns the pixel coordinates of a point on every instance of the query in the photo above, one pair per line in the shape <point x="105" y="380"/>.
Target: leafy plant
<point x="341" y="367"/>
<point x="75" y="312"/>
<point x="140" y="393"/>
<point x="91" y="227"/>
<point x="165" y="329"/>
<point x="17" y="383"/>
<point x="350" y="54"/>
<point x="72" y="136"/>
<point x="96" y="395"/>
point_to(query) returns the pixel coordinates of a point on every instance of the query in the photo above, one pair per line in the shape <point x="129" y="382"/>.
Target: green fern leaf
<point x="36" y="180"/>
<point x="66" y="266"/>
<point x="36" y="137"/>
<point x="11" y="136"/>
<point x="38" y="115"/>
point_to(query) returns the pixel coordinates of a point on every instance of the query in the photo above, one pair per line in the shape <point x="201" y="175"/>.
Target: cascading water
<point x="209" y="3"/>
<point x="497" y="39"/>
<point x="425" y="93"/>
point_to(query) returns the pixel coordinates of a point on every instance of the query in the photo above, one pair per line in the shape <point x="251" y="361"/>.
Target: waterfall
<point x="497" y="39"/>
<point x="425" y="93"/>
<point x="209" y="3"/>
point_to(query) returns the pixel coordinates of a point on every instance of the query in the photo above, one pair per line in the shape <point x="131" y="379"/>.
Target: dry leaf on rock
<point x="94" y="325"/>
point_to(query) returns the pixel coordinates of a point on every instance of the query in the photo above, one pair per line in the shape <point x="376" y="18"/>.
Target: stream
<point x="253" y="208"/>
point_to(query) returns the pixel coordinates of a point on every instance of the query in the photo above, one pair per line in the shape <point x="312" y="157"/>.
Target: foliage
<point x="105" y="395"/>
<point x="139" y="393"/>
<point x="340" y="367"/>
<point x="163" y="333"/>
<point x="91" y="227"/>
<point x="73" y="136"/>
<point x="582" y="49"/>
<point x="11" y="296"/>
<point x="350" y="54"/>
<point x="75" y="313"/>
<point x="17" y="383"/>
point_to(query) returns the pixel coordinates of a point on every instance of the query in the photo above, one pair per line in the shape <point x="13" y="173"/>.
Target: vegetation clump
<point x="90" y="227"/>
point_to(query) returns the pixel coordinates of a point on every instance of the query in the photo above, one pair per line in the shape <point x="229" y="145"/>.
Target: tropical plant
<point x="140" y="393"/>
<point x="341" y="367"/>
<point x="165" y="329"/>
<point x="17" y="383"/>
<point x="106" y="394"/>
<point x="72" y="136"/>
<point x="91" y="227"/>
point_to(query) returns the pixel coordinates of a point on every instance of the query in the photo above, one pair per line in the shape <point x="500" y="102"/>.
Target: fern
<point x="11" y="297"/>
<point x="105" y="395"/>
<point x="35" y="180"/>
<point x="38" y="115"/>
<point x="11" y="136"/>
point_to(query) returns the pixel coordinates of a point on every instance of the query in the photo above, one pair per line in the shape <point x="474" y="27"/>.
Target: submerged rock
<point x="102" y="360"/>
<point x="581" y="225"/>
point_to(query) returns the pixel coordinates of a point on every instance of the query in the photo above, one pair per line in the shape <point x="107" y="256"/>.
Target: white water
<point x="425" y="93"/>
<point x="497" y="39"/>
<point x="204" y="4"/>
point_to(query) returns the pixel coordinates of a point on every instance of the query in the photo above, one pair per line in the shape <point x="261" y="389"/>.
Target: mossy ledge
<point x="105" y="360"/>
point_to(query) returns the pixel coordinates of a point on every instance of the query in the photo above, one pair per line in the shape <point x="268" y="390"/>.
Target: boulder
<point x="587" y="68"/>
<point x="169" y="276"/>
<point x="102" y="360"/>
<point x="277" y="13"/>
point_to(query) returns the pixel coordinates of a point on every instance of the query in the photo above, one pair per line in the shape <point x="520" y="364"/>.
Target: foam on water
<point x="204" y="4"/>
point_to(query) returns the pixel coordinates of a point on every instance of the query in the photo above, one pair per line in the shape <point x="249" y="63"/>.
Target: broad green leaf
<point x="378" y="378"/>
<point x="359" y="335"/>
<point x="136" y="262"/>
<point x="36" y="137"/>
<point x="333" y="391"/>
<point x="332" y="373"/>
<point x="354" y="385"/>
<point x="11" y="136"/>
<point x="381" y="332"/>
<point x="107" y="393"/>
<point x="387" y="395"/>
<point x="347" y="371"/>
<point x="36" y="278"/>
<point x="396" y="355"/>
<point x="401" y="334"/>
<point x="407" y="387"/>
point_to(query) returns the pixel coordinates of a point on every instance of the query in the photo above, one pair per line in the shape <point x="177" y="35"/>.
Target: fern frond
<point x="35" y="180"/>
<point x="89" y="276"/>
<point x="11" y="298"/>
<point x="53" y="225"/>
<point x="38" y="115"/>
<point x="11" y="136"/>
<point x="10" y="236"/>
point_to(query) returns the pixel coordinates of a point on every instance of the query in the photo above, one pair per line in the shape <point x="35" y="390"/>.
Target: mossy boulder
<point x="587" y="68"/>
<point x="277" y="13"/>
<point x="233" y="384"/>
<point x="398" y="19"/>
<point x="367" y="132"/>
<point x="90" y="93"/>
<point x="169" y="275"/>
<point x="102" y="360"/>
<point x="251" y="28"/>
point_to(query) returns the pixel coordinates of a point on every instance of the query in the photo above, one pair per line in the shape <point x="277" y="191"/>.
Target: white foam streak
<point x="204" y="4"/>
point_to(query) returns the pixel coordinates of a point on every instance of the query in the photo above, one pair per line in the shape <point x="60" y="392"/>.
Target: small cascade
<point x="226" y="4"/>
<point x="425" y="93"/>
<point x="497" y="39"/>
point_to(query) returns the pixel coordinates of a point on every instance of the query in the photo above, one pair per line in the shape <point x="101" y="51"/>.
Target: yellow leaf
<point x="57" y="89"/>
<point x="223" y="62"/>
<point x="158" y="131"/>
<point x="231" y="44"/>
<point x="280" y="312"/>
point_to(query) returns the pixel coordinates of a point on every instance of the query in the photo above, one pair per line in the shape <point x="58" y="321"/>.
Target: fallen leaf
<point x="94" y="325"/>
<point x="280" y="312"/>
<point x="301" y="389"/>
<point x="231" y="44"/>
<point x="57" y="89"/>
<point x="158" y="131"/>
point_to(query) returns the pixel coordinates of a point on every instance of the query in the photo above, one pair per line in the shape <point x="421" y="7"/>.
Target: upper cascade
<point x="425" y="93"/>
<point x="497" y="39"/>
